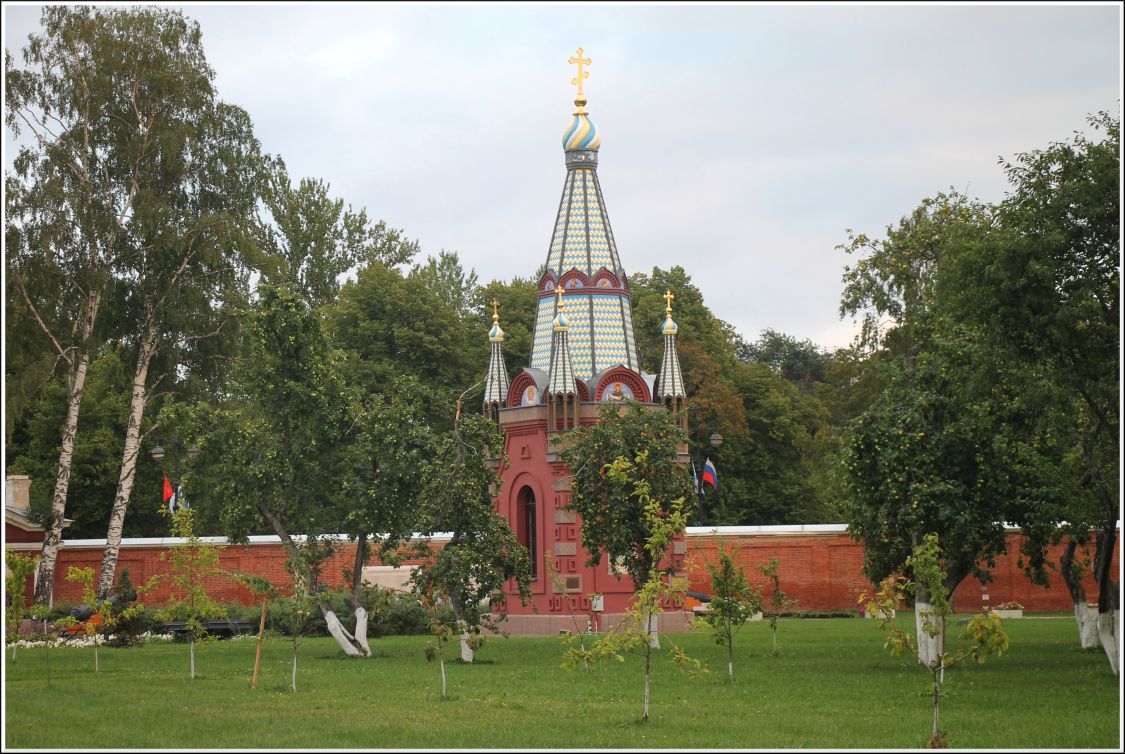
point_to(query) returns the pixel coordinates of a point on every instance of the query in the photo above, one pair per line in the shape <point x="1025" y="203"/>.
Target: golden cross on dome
<point x="495" y="310"/>
<point x="668" y="296"/>
<point x="577" y="80"/>
<point x="559" y="292"/>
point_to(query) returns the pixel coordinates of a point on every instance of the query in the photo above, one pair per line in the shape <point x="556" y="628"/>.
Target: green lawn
<point x="833" y="686"/>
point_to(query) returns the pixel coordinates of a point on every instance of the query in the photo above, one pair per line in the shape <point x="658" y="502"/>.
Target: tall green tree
<point x="309" y="239"/>
<point x="391" y="325"/>
<point x="518" y="300"/>
<point x="961" y="439"/>
<point x="802" y="362"/>
<point x="445" y="277"/>
<point x="460" y="482"/>
<point x="612" y="510"/>
<point x="1045" y="290"/>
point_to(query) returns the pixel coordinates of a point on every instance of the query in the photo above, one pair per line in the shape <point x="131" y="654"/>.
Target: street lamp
<point x="158" y="454"/>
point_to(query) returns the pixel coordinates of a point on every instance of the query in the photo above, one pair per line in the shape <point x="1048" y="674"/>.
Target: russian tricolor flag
<point x="710" y="474"/>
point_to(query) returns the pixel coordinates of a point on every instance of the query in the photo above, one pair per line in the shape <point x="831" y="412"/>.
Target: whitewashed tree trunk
<point x="193" y="656"/>
<point x="128" y="464"/>
<point x="293" y="681"/>
<point x="441" y="662"/>
<point x="466" y="650"/>
<point x="654" y="631"/>
<point x="45" y="579"/>
<point x="1087" y="625"/>
<point x="361" y="630"/>
<point x="929" y="647"/>
<point x="353" y="646"/>
<point x="1109" y="635"/>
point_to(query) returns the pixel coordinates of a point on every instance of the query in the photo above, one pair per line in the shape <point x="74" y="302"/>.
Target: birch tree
<point x="182" y="267"/>
<point x="68" y="202"/>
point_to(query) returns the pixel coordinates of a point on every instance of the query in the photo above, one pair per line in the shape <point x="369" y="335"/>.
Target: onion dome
<point x="495" y="335"/>
<point x="581" y="133"/>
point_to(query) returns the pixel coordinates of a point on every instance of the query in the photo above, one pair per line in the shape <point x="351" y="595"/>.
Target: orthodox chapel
<point x="583" y="354"/>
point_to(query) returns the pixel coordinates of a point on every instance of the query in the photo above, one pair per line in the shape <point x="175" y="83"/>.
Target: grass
<point x="833" y="686"/>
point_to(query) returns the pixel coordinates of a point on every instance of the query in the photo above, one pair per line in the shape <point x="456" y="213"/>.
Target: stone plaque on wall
<point x="566" y="517"/>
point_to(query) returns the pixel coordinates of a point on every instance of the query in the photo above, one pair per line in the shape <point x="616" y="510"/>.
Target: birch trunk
<point x="929" y="647"/>
<point x="128" y="464"/>
<point x="45" y="579"/>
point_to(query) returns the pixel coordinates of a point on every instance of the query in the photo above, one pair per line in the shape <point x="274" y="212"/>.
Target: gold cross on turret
<point x="559" y="292"/>
<point x="580" y="98"/>
<point x="668" y="296"/>
<point x="495" y="310"/>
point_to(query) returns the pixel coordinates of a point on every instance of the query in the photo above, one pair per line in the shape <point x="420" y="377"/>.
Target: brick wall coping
<point x="703" y="531"/>
<point x="692" y="531"/>
<point x="257" y="539"/>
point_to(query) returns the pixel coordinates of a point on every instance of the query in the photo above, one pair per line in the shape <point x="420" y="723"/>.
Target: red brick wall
<point x="821" y="571"/>
<point x="144" y="562"/>
<point x="824" y="571"/>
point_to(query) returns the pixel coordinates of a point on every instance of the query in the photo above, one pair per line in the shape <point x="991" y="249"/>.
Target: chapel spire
<point x="496" y="381"/>
<point x="669" y="388"/>
<point x="583" y="259"/>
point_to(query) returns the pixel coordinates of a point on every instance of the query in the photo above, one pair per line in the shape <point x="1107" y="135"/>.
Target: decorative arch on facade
<point x="547" y="282"/>
<point x="603" y="278"/>
<point x="575" y="278"/>
<point x="581" y="390"/>
<point x="518" y="394"/>
<point x="632" y="387"/>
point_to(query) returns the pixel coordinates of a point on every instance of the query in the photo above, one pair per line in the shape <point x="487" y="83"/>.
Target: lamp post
<point x="716" y="440"/>
<point x="158" y="454"/>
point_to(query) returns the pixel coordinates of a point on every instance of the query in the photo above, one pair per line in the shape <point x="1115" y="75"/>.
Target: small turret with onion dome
<point x="669" y="388"/>
<point x="561" y="395"/>
<point x="496" y="381"/>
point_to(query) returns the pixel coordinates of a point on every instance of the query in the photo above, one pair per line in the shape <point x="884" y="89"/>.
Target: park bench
<point x="223" y="629"/>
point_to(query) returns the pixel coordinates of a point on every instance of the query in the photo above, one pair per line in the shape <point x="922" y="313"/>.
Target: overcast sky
<point x="739" y="141"/>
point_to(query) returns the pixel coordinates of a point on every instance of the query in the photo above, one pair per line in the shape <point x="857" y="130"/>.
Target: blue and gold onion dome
<point x="560" y="321"/>
<point x="496" y="335"/>
<point x="581" y="133"/>
<point x="669" y="327"/>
